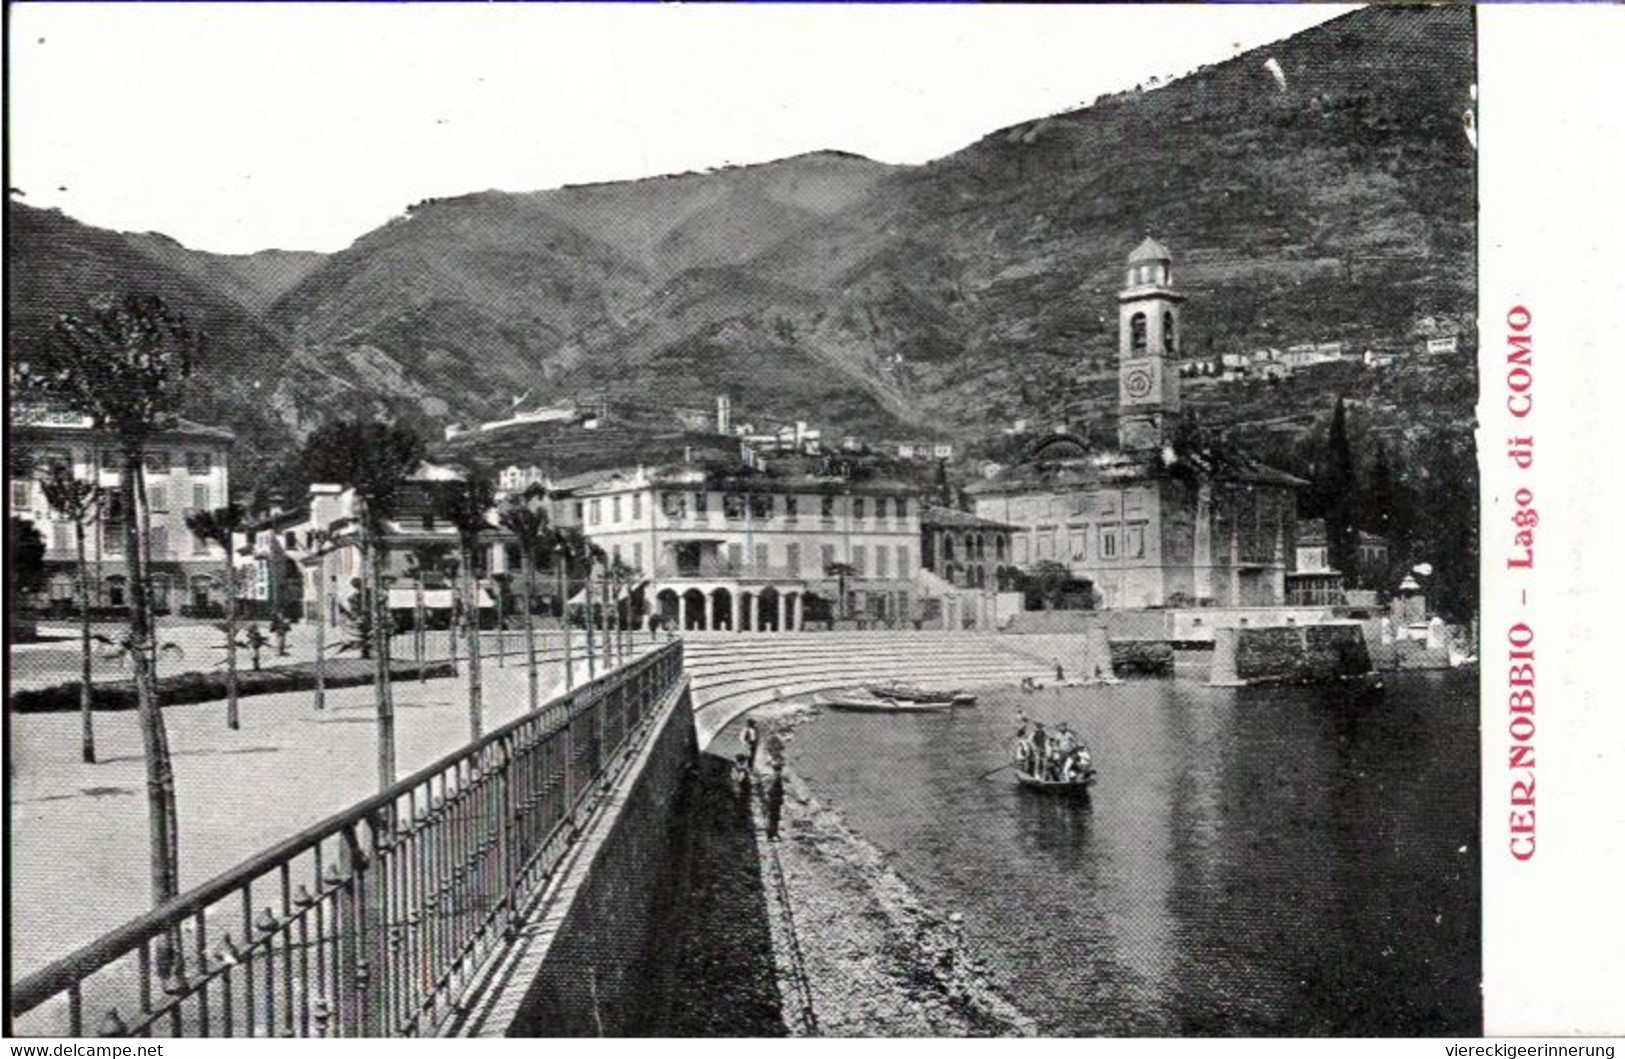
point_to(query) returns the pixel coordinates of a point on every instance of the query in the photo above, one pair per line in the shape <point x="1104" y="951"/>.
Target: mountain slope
<point x="253" y="281"/>
<point x="947" y="298"/>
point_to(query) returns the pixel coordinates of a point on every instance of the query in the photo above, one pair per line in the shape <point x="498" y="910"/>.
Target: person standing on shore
<point x="750" y="737"/>
<point x="775" y="802"/>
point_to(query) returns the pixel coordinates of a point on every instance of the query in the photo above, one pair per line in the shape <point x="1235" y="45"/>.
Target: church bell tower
<point x="1148" y="343"/>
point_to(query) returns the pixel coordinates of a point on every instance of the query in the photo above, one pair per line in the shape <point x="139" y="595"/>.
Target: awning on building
<point x="433" y="599"/>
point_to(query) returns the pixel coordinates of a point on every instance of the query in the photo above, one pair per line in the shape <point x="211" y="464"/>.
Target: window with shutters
<point x="858" y="509"/>
<point x="761" y="557"/>
<point x="157" y="499"/>
<point x="156" y="461"/>
<point x="637" y="507"/>
<point x="62" y="537"/>
<point x="882" y="565"/>
<point x="22" y="494"/>
<point x="792" y="559"/>
<point x="826" y="556"/>
<point x="905" y="566"/>
<point x="1134" y="541"/>
<point x="615" y="510"/>
<point x="199" y="463"/>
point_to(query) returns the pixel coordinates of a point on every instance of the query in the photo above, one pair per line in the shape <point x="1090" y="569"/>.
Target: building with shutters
<point x="752" y="551"/>
<point x="186" y="470"/>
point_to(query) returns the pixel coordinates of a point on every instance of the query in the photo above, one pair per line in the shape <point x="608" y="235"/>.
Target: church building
<point x="1164" y="519"/>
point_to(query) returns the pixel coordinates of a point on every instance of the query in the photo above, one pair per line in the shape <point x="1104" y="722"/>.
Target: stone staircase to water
<point x="734" y="674"/>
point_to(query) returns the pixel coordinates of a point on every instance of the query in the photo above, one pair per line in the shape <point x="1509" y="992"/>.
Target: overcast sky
<point x="242" y="127"/>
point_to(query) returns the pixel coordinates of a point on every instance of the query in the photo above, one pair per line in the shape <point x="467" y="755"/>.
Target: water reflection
<point x="1253" y="861"/>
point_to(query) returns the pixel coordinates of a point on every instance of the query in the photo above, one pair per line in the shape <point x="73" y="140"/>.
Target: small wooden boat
<point x="1080" y="785"/>
<point x="900" y="692"/>
<point x="863" y="702"/>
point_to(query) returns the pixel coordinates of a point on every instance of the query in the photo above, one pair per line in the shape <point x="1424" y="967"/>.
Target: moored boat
<point x="900" y="692"/>
<point x="865" y="702"/>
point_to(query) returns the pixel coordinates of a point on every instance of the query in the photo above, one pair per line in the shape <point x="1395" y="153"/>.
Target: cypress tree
<point x="1340" y="490"/>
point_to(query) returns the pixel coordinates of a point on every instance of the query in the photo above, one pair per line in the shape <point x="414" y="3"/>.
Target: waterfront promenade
<point x="78" y="832"/>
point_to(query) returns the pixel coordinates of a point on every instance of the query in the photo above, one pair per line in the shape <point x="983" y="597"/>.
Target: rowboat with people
<point x="863" y="701"/>
<point x="900" y="692"/>
<point x="1052" y="760"/>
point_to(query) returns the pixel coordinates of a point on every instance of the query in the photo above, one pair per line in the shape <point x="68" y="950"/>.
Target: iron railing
<point x="375" y="921"/>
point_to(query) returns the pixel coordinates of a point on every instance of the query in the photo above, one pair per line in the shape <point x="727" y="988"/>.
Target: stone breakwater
<point x="857" y="952"/>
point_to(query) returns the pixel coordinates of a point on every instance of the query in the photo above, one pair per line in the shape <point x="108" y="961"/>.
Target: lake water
<point x="1251" y="861"/>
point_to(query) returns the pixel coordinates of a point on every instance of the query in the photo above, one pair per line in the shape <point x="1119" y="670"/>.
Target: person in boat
<point x="1068" y="738"/>
<point x="1040" y="749"/>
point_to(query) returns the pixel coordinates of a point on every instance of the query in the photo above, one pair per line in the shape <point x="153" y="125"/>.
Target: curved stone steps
<point x="734" y="675"/>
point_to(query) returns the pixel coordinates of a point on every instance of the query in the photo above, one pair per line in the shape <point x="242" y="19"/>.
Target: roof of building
<point x="181" y="427"/>
<point x="1115" y="467"/>
<point x="1149" y="250"/>
<point x="953" y="518"/>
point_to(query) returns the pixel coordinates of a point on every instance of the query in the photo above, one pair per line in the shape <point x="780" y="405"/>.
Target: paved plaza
<point x="78" y="837"/>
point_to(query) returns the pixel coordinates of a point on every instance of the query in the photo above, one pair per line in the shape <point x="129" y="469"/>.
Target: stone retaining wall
<point x="1300" y="653"/>
<point x="587" y="958"/>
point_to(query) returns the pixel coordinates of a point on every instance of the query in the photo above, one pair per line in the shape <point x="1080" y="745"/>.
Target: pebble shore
<point x="856" y="951"/>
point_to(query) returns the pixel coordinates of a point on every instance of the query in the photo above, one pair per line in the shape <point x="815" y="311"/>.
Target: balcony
<point x="719" y="569"/>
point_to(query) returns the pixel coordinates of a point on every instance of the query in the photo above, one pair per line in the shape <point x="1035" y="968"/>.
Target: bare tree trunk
<point x="161" y="819"/>
<point x="372" y="572"/>
<point x="232" y="719"/>
<point x="502" y="629"/>
<point x="420" y="633"/>
<point x="321" y="633"/>
<point x="531" y="677"/>
<point x="471" y="604"/>
<point x="592" y="620"/>
<point x="563" y="579"/>
<point x="609" y="621"/>
<point x="87" y="724"/>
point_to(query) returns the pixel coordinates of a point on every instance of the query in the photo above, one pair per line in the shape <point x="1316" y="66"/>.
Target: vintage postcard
<point x="812" y="521"/>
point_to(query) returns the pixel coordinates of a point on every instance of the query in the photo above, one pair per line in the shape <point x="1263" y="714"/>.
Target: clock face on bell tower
<point x="1141" y="381"/>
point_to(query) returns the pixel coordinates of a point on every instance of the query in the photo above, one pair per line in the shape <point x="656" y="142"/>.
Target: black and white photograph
<point x="770" y="521"/>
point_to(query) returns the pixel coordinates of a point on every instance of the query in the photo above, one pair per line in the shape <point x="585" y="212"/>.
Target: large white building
<point x="185" y="469"/>
<point x="755" y="552"/>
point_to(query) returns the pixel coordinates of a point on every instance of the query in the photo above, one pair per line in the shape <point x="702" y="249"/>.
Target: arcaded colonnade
<point x="735" y="608"/>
